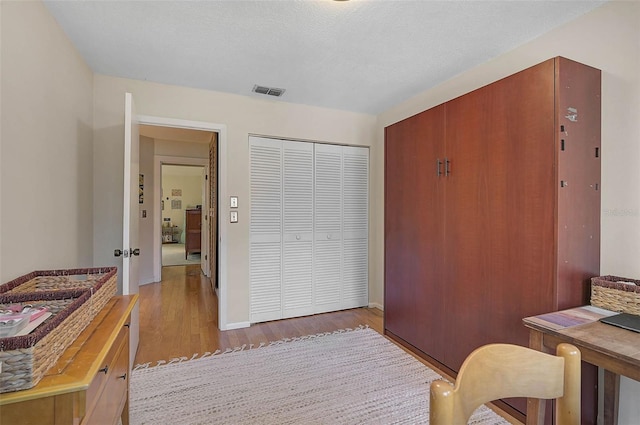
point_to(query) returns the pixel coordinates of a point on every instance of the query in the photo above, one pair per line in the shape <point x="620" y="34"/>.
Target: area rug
<point x="346" y="377"/>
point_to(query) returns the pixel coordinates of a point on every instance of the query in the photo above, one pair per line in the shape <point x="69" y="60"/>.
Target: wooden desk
<point x="78" y="389"/>
<point x="615" y="350"/>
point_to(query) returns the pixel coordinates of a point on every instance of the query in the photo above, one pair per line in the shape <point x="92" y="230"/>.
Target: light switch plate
<point x="234" y="216"/>
<point x="234" y="202"/>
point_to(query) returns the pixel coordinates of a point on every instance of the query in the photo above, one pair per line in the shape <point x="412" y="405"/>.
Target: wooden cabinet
<point x="193" y="225"/>
<point x="90" y="382"/>
<point x="492" y="211"/>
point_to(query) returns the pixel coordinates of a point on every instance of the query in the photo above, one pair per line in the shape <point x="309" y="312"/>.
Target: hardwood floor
<point x="179" y="318"/>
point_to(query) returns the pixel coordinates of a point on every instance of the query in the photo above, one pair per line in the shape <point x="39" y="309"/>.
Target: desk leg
<point x="611" y="397"/>
<point x="535" y="408"/>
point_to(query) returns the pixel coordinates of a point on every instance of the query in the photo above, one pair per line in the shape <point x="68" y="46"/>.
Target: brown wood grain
<point x="500" y="239"/>
<point x="614" y="349"/>
<point x="413" y="232"/>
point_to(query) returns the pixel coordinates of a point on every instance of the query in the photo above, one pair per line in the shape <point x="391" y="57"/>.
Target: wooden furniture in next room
<point x="492" y="213"/>
<point x="193" y="225"/>
<point x="90" y="382"/>
<point x="614" y="349"/>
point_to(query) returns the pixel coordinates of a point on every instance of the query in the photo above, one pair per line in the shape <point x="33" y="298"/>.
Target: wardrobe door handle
<point x="447" y="167"/>
<point x="438" y="165"/>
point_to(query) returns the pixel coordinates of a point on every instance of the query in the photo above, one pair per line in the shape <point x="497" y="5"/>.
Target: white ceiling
<point x="359" y="55"/>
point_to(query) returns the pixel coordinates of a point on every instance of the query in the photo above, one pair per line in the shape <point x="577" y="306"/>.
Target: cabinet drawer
<point x="107" y="394"/>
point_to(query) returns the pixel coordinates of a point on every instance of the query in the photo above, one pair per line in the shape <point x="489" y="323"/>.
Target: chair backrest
<point x="498" y="371"/>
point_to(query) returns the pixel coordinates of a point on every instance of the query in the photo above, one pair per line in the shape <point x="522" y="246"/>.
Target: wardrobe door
<point x="265" y="238"/>
<point x="297" y="245"/>
<point x="500" y="209"/>
<point x="415" y="304"/>
<point x="355" y="231"/>
<point x="327" y="228"/>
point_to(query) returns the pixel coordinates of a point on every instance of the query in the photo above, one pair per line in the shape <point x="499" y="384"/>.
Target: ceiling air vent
<point x="271" y="91"/>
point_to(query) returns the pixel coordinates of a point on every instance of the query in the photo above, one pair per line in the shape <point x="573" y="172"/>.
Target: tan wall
<point x="179" y="148"/>
<point x="608" y="39"/>
<point x="46" y="144"/>
<point x="145" y="226"/>
<point x="242" y="116"/>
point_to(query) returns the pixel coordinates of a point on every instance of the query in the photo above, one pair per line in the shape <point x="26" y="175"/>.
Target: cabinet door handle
<point x="104" y="369"/>
<point x="122" y="376"/>
<point x="127" y="325"/>
<point x="438" y="165"/>
<point x="447" y="167"/>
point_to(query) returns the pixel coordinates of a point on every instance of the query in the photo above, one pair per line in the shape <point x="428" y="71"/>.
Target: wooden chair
<point x="498" y="371"/>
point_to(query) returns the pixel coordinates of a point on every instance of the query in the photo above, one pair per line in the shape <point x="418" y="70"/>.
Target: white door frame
<point x="158" y="162"/>
<point x="221" y="129"/>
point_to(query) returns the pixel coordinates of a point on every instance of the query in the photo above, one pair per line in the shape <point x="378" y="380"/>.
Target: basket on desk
<point x="73" y="296"/>
<point x="616" y="294"/>
<point x="100" y="281"/>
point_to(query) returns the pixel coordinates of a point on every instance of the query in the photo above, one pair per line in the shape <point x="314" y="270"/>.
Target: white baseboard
<point x="237" y="325"/>
<point x="376" y="305"/>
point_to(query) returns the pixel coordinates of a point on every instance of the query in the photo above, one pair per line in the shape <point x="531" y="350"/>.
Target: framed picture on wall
<point x="141" y="188"/>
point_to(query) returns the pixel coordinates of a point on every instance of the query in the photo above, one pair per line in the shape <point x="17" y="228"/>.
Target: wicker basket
<point x="101" y="282"/>
<point x="616" y="294"/>
<point x="74" y="297"/>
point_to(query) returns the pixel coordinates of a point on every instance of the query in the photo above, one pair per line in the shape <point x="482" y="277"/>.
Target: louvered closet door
<point x="265" y="271"/>
<point x="298" y="229"/>
<point x="355" y="233"/>
<point x="328" y="228"/>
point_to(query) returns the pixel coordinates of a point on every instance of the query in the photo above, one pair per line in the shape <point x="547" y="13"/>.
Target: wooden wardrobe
<point x="492" y="211"/>
<point x="192" y="231"/>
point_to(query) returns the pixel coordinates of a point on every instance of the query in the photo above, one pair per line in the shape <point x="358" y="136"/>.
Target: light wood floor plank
<point x="179" y="317"/>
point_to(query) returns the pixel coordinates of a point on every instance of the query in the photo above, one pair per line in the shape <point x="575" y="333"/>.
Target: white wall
<point x="46" y="143"/>
<point x="242" y="116"/>
<point x="607" y="38"/>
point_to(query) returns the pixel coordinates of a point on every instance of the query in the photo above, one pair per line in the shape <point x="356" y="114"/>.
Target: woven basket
<point x="616" y="294"/>
<point x="102" y="282"/>
<point x="73" y="299"/>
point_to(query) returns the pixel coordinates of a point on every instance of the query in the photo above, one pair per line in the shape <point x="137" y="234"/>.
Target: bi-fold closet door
<point x="309" y="228"/>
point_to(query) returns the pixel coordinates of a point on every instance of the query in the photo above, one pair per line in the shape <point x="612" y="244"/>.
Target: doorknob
<point x="117" y="252"/>
<point x="135" y="252"/>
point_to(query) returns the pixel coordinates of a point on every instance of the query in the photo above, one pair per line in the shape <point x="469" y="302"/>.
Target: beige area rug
<point x="347" y="377"/>
<point x="173" y="255"/>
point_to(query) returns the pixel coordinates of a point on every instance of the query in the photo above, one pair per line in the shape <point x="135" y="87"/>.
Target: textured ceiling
<point x="361" y="55"/>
